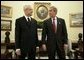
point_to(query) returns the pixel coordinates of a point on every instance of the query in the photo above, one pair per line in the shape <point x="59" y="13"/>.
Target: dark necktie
<point x="29" y="22"/>
<point x="54" y="27"/>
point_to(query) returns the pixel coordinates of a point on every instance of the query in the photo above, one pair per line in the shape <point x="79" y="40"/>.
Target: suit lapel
<point x="26" y="22"/>
<point x="58" y="24"/>
<point x="32" y="20"/>
<point x="24" y="19"/>
<point x="50" y="23"/>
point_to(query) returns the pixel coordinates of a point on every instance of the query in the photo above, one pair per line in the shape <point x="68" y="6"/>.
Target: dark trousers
<point x="30" y="54"/>
<point x="53" y="50"/>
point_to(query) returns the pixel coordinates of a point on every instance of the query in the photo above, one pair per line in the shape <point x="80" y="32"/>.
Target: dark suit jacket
<point x="54" y="39"/>
<point x="25" y="34"/>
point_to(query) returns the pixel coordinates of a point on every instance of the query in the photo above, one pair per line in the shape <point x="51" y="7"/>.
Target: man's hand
<point x="37" y="49"/>
<point x="18" y="52"/>
<point x="44" y="47"/>
<point x="66" y="48"/>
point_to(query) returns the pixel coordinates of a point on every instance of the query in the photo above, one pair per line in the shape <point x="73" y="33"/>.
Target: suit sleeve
<point x="44" y="31"/>
<point x="17" y="34"/>
<point x="65" y="35"/>
<point x="37" y="41"/>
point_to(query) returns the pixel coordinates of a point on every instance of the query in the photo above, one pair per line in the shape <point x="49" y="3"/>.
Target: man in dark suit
<point x="26" y="38"/>
<point x="54" y="29"/>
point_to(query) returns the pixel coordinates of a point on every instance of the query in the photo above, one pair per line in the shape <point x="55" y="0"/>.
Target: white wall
<point x="64" y="9"/>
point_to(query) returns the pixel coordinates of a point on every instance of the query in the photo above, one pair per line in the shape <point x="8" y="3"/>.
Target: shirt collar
<point x="27" y="17"/>
<point x="55" y="18"/>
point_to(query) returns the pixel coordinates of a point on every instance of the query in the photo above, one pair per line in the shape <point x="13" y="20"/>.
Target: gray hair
<point x="27" y="7"/>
